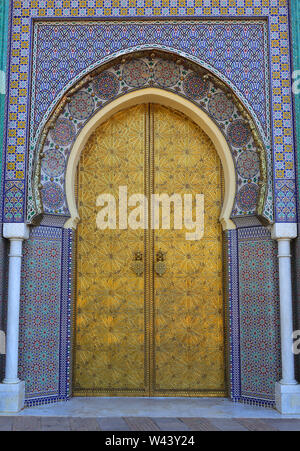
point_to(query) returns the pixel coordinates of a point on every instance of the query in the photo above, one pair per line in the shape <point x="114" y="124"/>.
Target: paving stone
<point x="227" y="424"/>
<point x="255" y="424"/>
<point x="170" y="424"/>
<point x="27" y="423"/>
<point x="199" y="424"/>
<point x="113" y="424"/>
<point x="141" y="424"/>
<point x="84" y="424"/>
<point x="55" y="424"/>
<point x="6" y="423"/>
<point x="284" y="425"/>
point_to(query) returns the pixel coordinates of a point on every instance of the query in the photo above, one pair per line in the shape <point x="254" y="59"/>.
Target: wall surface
<point x="45" y="315"/>
<point x="258" y="70"/>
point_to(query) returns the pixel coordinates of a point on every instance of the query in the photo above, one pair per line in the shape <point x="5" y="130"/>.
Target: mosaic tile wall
<point x="3" y="53"/>
<point x="21" y="62"/>
<point x="254" y="315"/>
<point x="232" y="48"/>
<point x="44" y="353"/>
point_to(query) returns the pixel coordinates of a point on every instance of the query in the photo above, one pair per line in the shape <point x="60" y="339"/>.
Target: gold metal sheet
<point x="188" y="336"/>
<point x="110" y="355"/>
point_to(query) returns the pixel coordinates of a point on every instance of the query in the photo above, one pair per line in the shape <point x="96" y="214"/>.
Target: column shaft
<point x="286" y="312"/>
<point x="13" y="309"/>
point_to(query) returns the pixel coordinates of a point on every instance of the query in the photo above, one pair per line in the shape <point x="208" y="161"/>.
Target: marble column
<point x="287" y="391"/>
<point x="12" y="390"/>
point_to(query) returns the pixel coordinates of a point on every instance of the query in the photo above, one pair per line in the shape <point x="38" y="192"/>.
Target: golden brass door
<point x="140" y="331"/>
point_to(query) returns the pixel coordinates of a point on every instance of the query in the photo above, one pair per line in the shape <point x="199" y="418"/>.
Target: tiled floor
<point x="28" y="423"/>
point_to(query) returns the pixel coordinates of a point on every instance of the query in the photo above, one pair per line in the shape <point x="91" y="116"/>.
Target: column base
<point x="12" y="397"/>
<point x="287" y="398"/>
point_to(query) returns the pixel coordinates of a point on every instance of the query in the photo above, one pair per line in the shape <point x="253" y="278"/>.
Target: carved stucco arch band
<point x="159" y="78"/>
<point x="168" y="99"/>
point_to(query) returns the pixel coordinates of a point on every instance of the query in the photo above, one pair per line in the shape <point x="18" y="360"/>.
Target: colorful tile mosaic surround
<point x="45" y="317"/>
<point x="51" y="53"/>
<point x="233" y="325"/>
<point x="3" y="54"/>
<point x="276" y="12"/>
<point x="160" y="71"/>
<point x="254" y="315"/>
<point x="17" y="142"/>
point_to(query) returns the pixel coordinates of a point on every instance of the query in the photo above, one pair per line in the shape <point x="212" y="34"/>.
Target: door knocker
<point x="160" y="265"/>
<point x="138" y="264"/>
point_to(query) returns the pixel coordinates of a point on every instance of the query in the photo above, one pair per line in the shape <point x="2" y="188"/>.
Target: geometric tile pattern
<point x="285" y="194"/>
<point x="233" y="326"/>
<point x="223" y="45"/>
<point x="3" y="54"/>
<point x="21" y="29"/>
<point x="44" y="345"/>
<point x="254" y="321"/>
<point x="259" y="314"/>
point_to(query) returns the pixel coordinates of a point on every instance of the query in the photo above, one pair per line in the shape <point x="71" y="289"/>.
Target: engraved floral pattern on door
<point x="110" y="355"/>
<point x="145" y="334"/>
<point x="188" y="331"/>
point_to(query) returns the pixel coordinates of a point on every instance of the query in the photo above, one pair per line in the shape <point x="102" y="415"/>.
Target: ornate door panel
<point x="188" y="332"/>
<point x="111" y="355"/>
<point x="149" y="335"/>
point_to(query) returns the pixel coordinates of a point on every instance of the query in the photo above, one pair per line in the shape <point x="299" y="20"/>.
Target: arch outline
<point x="168" y="99"/>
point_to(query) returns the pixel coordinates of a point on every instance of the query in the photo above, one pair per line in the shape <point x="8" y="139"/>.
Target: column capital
<point x="284" y="231"/>
<point x="17" y="231"/>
